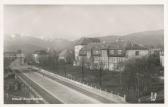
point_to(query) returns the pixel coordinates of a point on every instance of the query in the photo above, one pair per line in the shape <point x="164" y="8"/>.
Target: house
<point x="15" y="55"/>
<point x="134" y="50"/>
<point x="154" y="51"/>
<point x="110" y="56"/>
<point x="158" y="52"/>
<point x="65" y="55"/>
<point x="80" y="44"/>
<point x="21" y="57"/>
<point x="10" y="55"/>
<point x="39" y="55"/>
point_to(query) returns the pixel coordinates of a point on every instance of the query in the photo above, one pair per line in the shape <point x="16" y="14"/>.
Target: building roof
<point x="134" y="46"/>
<point x="41" y="52"/>
<point x="96" y="46"/>
<point x="10" y="53"/>
<point x="86" y="41"/>
<point x="113" y="45"/>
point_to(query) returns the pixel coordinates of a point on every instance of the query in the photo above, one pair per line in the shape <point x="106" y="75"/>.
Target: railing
<point x="89" y="87"/>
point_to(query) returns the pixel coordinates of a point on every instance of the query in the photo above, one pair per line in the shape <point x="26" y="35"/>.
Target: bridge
<point x="55" y="89"/>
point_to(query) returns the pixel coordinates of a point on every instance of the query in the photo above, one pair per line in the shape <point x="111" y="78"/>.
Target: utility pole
<point x="100" y="82"/>
<point x="138" y="84"/>
<point x="108" y="59"/>
<point x="120" y="80"/>
<point x="82" y="70"/>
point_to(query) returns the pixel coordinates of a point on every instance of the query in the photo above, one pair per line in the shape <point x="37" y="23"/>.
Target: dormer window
<point x="119" y="52"/>
<point x="96" y="52"/>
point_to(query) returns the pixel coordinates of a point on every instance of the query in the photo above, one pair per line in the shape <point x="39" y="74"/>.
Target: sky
<point x="74" y="21"/>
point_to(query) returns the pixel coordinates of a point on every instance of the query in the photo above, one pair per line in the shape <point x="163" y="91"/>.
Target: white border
<point x="86" y="2"/>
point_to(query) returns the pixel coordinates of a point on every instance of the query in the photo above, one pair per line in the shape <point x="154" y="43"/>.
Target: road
<point x="60" y="92"/>
<point x="55" y="90"/>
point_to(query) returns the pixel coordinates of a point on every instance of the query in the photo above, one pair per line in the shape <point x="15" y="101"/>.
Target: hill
<point x="147" y="38"/>
<point x="29" y="43"/>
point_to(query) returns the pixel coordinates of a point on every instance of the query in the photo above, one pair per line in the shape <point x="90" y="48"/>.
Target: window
<point x="96" y="52"/>
<point x="136" y="53"/>
<point x="119" y="52"/>
<point x="111" y="52"/>
<point x="104" y="53"/>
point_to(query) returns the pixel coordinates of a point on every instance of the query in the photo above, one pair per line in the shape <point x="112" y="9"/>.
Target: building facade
<point x="110" y="56"/>
<point x="80" y="44"/>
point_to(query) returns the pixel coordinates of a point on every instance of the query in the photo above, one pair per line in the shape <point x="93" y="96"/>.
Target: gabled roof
<point x="134" y="46"/>
<point x="90" y="46"/>
<point x="113" y="45"/>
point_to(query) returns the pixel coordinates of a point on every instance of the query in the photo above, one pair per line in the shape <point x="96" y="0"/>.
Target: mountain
<point x="26" y="43"/>
<point x="29" y="44"/>
<point x="147" y="38"/>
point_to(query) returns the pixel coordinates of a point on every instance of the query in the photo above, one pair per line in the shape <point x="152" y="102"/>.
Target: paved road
<point x="83" y="91"/>
<point x="60" y="92"/>
<point x="46" y="96"/>
<point x="55" y="90"/>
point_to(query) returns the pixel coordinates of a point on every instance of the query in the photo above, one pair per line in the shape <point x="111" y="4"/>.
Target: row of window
<point x="104" y="59"/>
<point x="111" y="52"/>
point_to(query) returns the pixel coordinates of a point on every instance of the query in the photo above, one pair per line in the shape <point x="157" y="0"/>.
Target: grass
<point x="110" y="80"/>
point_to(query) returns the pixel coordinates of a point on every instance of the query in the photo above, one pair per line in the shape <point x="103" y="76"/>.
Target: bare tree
<point x="62" y="63"/>
<point x="100" y="67"/>
<point x="82" y="64"/>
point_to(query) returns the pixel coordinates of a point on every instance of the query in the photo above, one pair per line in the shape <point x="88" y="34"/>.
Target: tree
<point x="82" y="67"/>
<point x="63" y="62"/>
<point x="138" y="73"/>
<point x="53" y="59"/>
<point x="83" y="64"/>
<point x="101" y="67"/>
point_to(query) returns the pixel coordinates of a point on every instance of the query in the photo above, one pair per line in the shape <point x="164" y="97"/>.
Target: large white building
<point x="109" y="56"/>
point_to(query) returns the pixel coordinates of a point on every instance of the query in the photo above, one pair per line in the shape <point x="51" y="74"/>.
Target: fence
<point x="113" y="96"/>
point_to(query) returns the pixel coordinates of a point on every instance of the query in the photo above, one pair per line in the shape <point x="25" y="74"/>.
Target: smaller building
<point x="39" y="55"/>
<point x="15" y="55"/>
<point x="65" y="55"/>
<point x="10" y="55"/>
<point x="21" y="58"/>
<point x="155" y="51"/>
